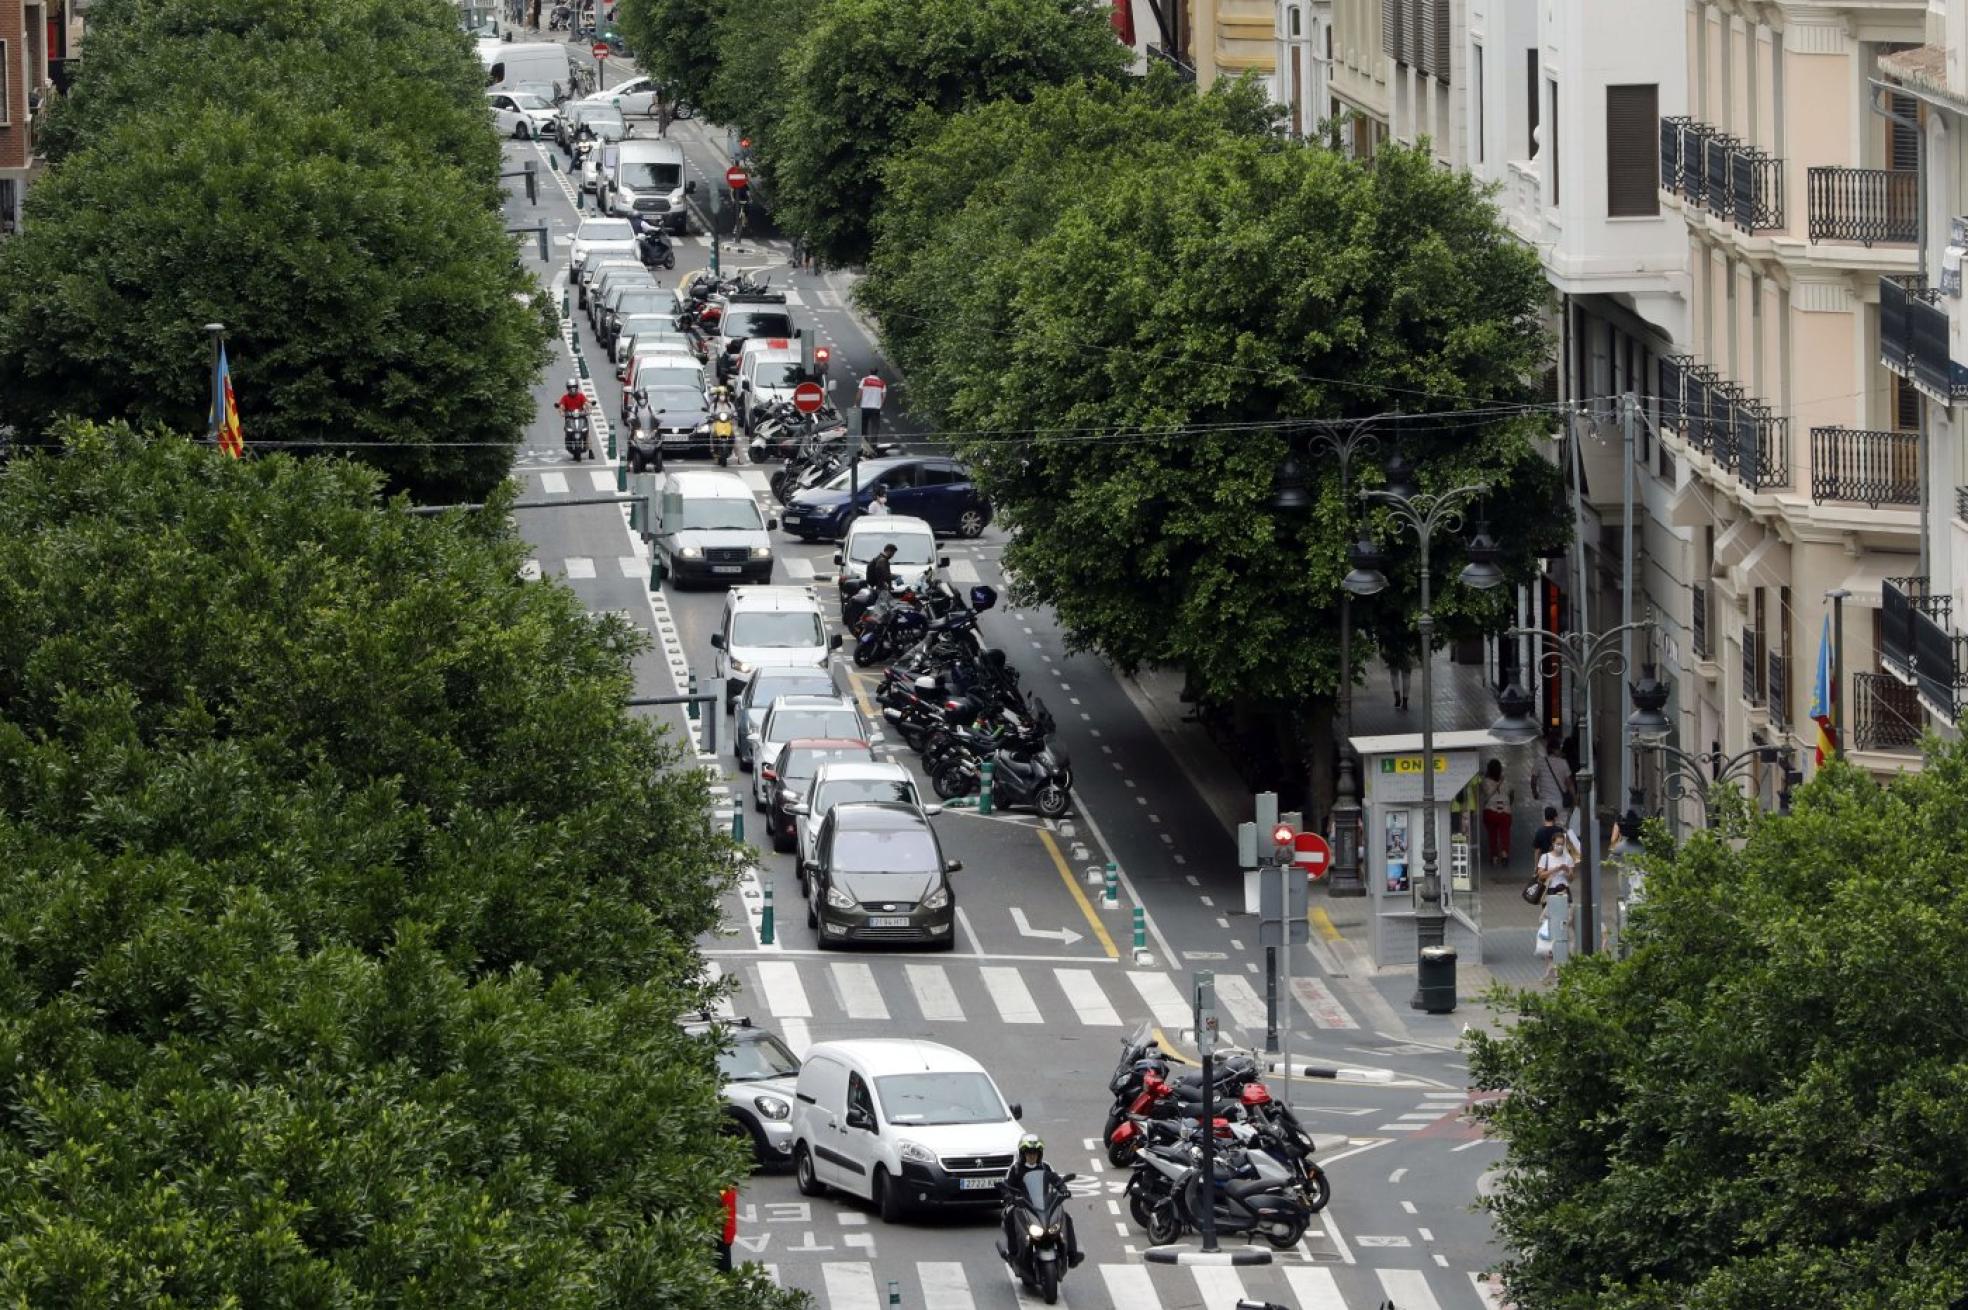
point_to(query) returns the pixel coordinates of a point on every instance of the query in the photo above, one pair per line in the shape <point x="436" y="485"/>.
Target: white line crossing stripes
<point x="1129" y="1285"/>
<point x="1315" y="1288"/>
<point x="859" y="995"/>
<point x="944" y="1285"/>
<point x="1237" y="996"/>
<point x="934" y="993"/>
<point x="554" y="484"/>
<point x="1317" y="1000"/>
<point x="1218" y="1284"/>
<point x="1164" y="1001"/>
<point x="850" y="1286"/>
<point x="1012" y="997"/>
<point x="1086" y="998"/>
<point x="779" y="980"/>
<point x="1408" y="1288"/>
<point x="579" y="566"/>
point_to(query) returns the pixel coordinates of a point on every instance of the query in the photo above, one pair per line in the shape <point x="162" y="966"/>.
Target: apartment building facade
<point x="1304" y="60"/>
<point x="1357" y="90"/>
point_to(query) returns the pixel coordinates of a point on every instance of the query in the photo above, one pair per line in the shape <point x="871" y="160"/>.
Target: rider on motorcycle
<point x="1031" y="1157"/>
<point x="572" y="402"/>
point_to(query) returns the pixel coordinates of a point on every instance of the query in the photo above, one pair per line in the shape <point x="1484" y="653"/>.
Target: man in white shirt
<point x="873" y="392"/>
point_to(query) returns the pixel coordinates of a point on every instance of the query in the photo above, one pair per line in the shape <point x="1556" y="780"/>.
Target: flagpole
<point x="1838" y="596"/>
<point x="217" y="332"/>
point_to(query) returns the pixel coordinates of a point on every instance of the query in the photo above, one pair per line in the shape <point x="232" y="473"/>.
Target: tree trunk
<point x="1319" y="728"/>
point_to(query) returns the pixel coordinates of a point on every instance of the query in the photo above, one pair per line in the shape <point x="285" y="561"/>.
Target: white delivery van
<point x="646" y="177"/>
<point x="707" y="528"/>
<point x="768" y="370"/>
<point x="903" y="1123"/>
<point x="514" y="62"/>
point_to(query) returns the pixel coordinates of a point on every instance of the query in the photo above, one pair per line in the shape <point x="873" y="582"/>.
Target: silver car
<point x="847" y="783"/>
<point x="765" y="686"/>
<point x="833" y="717"/>
<point x="756" y="1077"/>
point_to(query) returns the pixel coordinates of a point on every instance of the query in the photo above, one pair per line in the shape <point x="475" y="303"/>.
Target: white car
<point x="612" y="234"/>
<point x="902" y="1123"/>
<point x="768" y="625"/>
<point x="635" y="97"/>
<point x="915" y="551"/>
<point x="520" y="114"/>
<point x="791" y="718"/>
<point x="845" y="783"/>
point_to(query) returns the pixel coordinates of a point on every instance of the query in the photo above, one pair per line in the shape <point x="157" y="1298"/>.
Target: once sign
<point x="737" y="178"/>
<point x="808" y="397"/>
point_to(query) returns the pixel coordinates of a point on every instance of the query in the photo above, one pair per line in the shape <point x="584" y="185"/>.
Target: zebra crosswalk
<point x="957" y="1285"/>
<point x="888" y="991"/>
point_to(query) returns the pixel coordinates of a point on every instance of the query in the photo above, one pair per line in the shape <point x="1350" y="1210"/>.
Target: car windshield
<point x="850" y="790"/>
<point x="598" y="117"/>
<point x="527" y="100"/>
<point x="768" y="689"/>
<point x="764" y="1057"/>
<point x="940" y="1098"/>
<point x="652" y="177"/>
<point x="910" y="548"/>
<point x="870" y="475"/>
<point x="756" y="323"/>
<point x="777" y="375"/>
<point x="806" y="761"/>
<point x="781" y="629"/>
<point x="681" y="379"/>
<point x="737" y="512"/>
<point x="791" y="725"/>
<point x="604" y="229"/>
<point x="884" y="850"/>
<point x="674" y="400"/>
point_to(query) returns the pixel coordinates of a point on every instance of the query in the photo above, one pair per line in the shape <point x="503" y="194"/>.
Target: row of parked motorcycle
<point x="956" y="701"/>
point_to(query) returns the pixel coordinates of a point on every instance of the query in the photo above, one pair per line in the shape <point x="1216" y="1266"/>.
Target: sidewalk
<point x="1462" y="701"/>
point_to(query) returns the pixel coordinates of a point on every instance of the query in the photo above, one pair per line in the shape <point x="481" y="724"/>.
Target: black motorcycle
<point x="646" y="445"/>
<point x="574" y="434"/>
<point x="1025" y="771"/>
<point x="654" y="249"/>
<point x="1035" y="1211"/>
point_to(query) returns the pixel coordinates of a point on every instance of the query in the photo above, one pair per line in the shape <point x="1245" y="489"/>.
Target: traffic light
<point x="642" y="509"/>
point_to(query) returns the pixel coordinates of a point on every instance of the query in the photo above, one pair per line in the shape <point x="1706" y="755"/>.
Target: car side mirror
<point x="861" y="1119"/>
<point x="932" y="809"/>
<point x="1017" y="1110"/>
<point x="837" y="559"/>
<point x="799" y="807"/>
<point x="953" y="866"/>
<point x="717" y="641"/>
<point x="835" y="644"/>
<point x="942" y="561"/>
<point x="690" y="188"/>
<point x="772" y="525"/>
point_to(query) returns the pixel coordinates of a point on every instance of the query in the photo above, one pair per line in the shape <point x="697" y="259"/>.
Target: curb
<point x="1191" y="1255"/>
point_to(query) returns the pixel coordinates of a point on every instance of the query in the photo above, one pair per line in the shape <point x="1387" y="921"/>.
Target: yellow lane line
<point x="1086" y="906"/>
<point x="1173" y="1052"/>
<point x="861" y="698"/>
<point x="1323" y="923"/>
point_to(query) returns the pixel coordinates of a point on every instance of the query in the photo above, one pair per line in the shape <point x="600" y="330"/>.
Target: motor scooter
<point x="646" y="442"/>
<point x="1035" y="1210"/>
<point x="654" y="249"/>
<point x="574" y="434"/>
<point x="724" y="428"/>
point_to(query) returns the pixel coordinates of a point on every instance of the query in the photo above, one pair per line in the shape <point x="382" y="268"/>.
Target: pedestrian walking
<point x="873" y="392"/>
<point x="1551" y="779"/>
<point x="798" y="257"/>
<point x="1497" y="798"/>
<point x="1554" y="934"/>
<point x="1400" y="673"/>
<point x="1548" y="832"/>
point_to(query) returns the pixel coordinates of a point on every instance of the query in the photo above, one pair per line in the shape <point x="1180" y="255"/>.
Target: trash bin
<point x="1435" y="983"/>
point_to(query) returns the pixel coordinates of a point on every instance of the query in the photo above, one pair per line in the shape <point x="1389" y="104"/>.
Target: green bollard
<point x="1140" y="929"/>
<point x="894" y="1292"/>
<point x="765" y="918"/>
<point x="692" y="708"/>
<point x="566" y="310"/>
<point x="984" y="788"/>
<point x="656" y="576"/>
<point x="611" y="450"/>
<point x="580" y="360"/>
<point x="738" y="823"/>
<point x="1112" y="898"/>
<point x="621" y="470"/>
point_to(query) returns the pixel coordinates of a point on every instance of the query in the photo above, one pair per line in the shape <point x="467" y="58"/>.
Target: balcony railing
<point x="1866" y="205"/>
<point x="1886" y="714"/>
<point x="1913" y="338"/>
<point x="1755" y="189"/>
<point x="1735" y="182"/>
<point x="1877" y="468"/>
<point x="1778" y="687"/>
<point x="1961" y="503"/>
<point x="1183" y="67"/>
<point x="1698" y="620"/>
<point x="1759" y="452"/>
<point x="1714" y="416"/>
<point x="1916" y="644"/>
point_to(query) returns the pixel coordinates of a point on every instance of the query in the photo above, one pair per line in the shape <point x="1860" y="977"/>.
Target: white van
<point x="778" y="626"/>
<point x="915" y="551"/>
<point x="706" y="527"/>
<point x="768" y="370"/>
<point x="902" y="1123"/>
<point x="646" y="177"/>
<point x="514" y="62"/>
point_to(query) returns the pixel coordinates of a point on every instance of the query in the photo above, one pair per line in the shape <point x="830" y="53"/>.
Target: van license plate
<point x="901" y="921"/>
<point x="726" y="568"/>
<point x="976" y="1184"/>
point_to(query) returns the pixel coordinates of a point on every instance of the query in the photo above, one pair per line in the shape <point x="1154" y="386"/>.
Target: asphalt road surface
<point x="1044" y="979"/>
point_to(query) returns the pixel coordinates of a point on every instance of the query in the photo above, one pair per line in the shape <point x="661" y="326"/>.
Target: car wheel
<point x="887" y="1199"/>
<point x="781" y="842"/>
<point x="803" y="1176"/>
<point x="736" y="1125"/>
<point x="799" y="872"/>
<point x="971" y="522"/>
<point x="757" y="803"/>
<point x="812" y="919"/>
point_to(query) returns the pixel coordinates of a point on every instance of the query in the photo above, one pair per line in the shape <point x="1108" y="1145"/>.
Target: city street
<point x="1045" y="978"/>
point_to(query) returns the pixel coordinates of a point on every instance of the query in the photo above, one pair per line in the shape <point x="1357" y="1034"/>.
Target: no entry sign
<point x="737" y="178"/>
<point x="808" y="397"/>
<point x="1310" y="851"/>
<point x="601" y="50"/>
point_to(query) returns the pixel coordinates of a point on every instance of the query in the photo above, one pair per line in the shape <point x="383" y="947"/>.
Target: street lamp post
<point x="1585" y="656"/>
<point x="1687" y="767"/>
<point x="1424" y="514"/>
<point x="1344" y="440"/>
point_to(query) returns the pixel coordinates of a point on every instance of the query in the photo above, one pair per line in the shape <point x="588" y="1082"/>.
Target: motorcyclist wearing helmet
<point x="1031" y="1157"/>
<point x="572" y="402"/>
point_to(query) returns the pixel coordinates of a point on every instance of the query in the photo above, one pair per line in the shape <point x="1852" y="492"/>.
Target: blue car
<point x="927" y="487"/>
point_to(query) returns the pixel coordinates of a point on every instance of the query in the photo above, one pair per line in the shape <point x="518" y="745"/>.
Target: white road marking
<point x="602" y="481"/>
<point x="858" y="993"/>
<point x="1130" y="1285"/>
<point x="631" y="565"/>
<point x="1408" y="1206"/>
<point x="1408" y="1288"/>
<point x="1237" y="996"/>
<point x="798" y="1040"/>
<point x="554" y="484"/>
<point x="779" y="980"/>
<point x="850" y="1285"/>
<point x="579" y="566"/>
<point x="963" y="572"/>
<point x="1425" y="1116"/>
<point x="757" y="479"/>
<point x="1470" y="1146"/>
<point x="934" y="995"/>
<point x="1011" y="996"/>
<point x="1318" y="1002"/>
<point x="944" y="1284"/>
<point x="799" y="568"/>
<point x="1444" y="1096"/>
<point x="1426" y="1235"/>
<point x="1086" y="998"/>
<point x="793" y="296"/>
<point x="1166" y="1003"/>
<point x="1397" y="1175"/>
<point x="1315" y="1287"/>
<point x="1218" y="1284"/>
<point x="1492" y="1294"/>
<point x="1400" y="1128"/>
<point x="530" y="571"/>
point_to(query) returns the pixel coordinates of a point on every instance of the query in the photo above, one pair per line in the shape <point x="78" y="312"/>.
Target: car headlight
<point x="916" y="1152"/>
<point x="1034" y="1230"/>
<point x="839" y="899"/>
<point x="692" y="552"/>
<point x="740" y="667"/>
<point x="771" y="1107"/>
<point x="937" y="899"/>
<point x="761" y="552"/>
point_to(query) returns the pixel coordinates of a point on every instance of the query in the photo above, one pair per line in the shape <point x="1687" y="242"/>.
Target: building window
<point x="1531" y="98"/>
<point x="1476" y="80"/>
<point x="1902" y="140"/>
<point x="1294" y="20"/>
<point x="1906" y="405"/>
<point x="1551" y="139"/>
<point x="6" y="87"/>
<point x="1329" y="49"/>
<point x="1633" y="151"/>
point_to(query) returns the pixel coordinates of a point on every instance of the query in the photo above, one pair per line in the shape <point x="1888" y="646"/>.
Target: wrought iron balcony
<point x="1755" y="190"/>
<point x="1715" y="417"/>
<point x="1866" y="205"/>
<point x="1698" y="620"/>
<point x="1913" y="338"/>
<point x="1758" y="451"/>
<point x="1961" y="503"/>
<point x="1735" y="182"/>
<point x="1877" y="468"/>
<point x="1778" y="687"/>
<point x="1916" y="644"/>
<point x="1886" y="714"/>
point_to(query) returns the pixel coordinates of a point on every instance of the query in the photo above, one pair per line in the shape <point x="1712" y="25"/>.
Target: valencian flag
<point x="225" y="410"/>
<point x="1824" y="694"/>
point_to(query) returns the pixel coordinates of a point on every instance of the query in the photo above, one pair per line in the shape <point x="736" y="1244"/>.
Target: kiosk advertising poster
<point x="1397" y="850"/>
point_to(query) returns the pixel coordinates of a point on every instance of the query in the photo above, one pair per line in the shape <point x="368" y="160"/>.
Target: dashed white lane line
<point x="602" y="481"/>
<point x="579" y="566"/>
<point x="554" y="484"/>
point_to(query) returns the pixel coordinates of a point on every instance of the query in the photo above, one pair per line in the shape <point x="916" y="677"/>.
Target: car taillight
<point x="771" y="775"/>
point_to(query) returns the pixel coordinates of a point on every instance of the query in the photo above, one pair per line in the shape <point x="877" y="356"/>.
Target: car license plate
<point x="898" y="921"/>
<point x="976" y="1184"/>
<point x="726" y="568"/>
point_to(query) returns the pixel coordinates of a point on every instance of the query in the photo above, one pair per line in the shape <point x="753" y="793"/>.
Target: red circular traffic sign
<point x="737" y="178"/>
<point x="601" y="50"/>
<point x="808" y="397"/>
<point x="1310" y="850"/>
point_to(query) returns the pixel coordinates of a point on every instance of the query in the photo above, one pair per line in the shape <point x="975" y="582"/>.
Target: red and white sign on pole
<point x="808" y="397"/>
<point x="737" y="178"/>
<point x="601" y="50"/>
<point x="1311" y="853"/>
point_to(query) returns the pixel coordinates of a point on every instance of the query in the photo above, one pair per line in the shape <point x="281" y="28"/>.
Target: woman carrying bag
<point x="1554" y="933"/>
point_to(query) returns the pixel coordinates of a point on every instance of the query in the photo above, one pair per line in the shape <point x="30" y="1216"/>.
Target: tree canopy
<point x="1765" y="1104"/>
<point x="1117" y="302"/>
<point x="347" y="914"/>
<point x="676" y="41"/>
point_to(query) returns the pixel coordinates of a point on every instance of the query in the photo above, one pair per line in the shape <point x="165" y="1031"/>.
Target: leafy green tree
<point x="348" y="916"/>
<point x="1761" y="1105"/>
<point x="867" y="66"/>
<point x="676" y="41"/>
<point x="753" y="83"/>
<point x="372" y="298"/>
<point x="1117" y="309"/>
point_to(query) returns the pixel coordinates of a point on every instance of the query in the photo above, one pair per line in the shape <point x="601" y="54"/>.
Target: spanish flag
<point x="225" y="410"/>
<point x="1824" y="695"/>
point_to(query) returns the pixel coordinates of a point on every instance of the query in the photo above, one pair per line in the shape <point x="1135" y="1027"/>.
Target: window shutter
<point x="1436" y="57"/>
<point x="1902" y="142"/>
<point x="1632" y="151"/>
<point x="1411" y="33"/>
<point x="1390" y="28"/>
